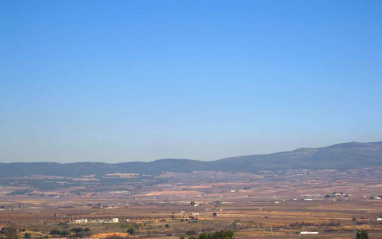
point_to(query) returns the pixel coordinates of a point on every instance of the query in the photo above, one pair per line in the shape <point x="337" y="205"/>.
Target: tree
<point x="190" y="233"/>
<point x="130" y="231"/>
<point x="80" y="232"/>
<point x="217" y="235"/>
<point x="192" y="203"/>
<point x="65" y="233"/>
<point x="54" y="232"/>
<point x="354" y="219"/>
<point x="214" y="214"/>
<point x="27" y="235"/>
<point x="204" y="236"/>
<point x="166" y="226"/>
<point x="234" y="226"/>
<point x="361" y="234"/>
<point x="77" y="229"/>
<point x="10" y="232"/>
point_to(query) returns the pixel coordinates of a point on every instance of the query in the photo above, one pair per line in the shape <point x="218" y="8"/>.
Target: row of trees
<point x="216" y="235"/>
<point x="77" y="232"/>
<point x="12" y="233"/>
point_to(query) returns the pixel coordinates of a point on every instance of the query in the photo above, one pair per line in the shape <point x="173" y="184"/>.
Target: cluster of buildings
<point x="85" y="220"/>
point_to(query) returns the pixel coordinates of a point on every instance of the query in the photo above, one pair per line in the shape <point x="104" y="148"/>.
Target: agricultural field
<point x="263" y="205"/>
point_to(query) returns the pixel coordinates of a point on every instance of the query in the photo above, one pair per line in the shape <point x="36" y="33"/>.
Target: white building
<point x="308" y="233"/>
<point x="81" y="221"/>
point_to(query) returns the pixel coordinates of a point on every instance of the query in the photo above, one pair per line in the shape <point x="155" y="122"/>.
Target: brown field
<point x="266" y="206"/>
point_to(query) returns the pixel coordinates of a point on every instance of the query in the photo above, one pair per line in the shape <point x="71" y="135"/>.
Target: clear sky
<point x="116" y="81"/>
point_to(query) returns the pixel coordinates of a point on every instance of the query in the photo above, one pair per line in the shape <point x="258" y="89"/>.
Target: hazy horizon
<point x="116" y="161"/>
<point x="122" y="81"/>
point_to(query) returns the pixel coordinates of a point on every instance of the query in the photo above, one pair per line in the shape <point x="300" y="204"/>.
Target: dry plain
<point x="263" y="205"/>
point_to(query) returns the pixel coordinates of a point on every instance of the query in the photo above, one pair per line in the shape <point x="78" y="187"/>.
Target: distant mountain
<point x="339" y="156"/>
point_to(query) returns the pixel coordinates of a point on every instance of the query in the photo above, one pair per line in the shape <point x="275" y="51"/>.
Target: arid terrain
<point x="266" y="204"/>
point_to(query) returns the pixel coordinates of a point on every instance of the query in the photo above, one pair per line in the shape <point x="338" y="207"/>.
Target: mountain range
<point x="340" y="156"/>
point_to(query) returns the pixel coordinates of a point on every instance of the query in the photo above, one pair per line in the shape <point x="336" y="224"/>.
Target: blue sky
<point x="117" y="81"/>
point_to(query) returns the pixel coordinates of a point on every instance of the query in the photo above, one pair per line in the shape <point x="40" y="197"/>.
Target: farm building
<point x="308" y="233"/>
<point x="80" y="221"/>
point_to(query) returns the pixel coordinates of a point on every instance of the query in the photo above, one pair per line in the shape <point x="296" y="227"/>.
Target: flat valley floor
<point x="263" y="205"/>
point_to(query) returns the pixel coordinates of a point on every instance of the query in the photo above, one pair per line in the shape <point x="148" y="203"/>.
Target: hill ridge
<point x="338" y="156"/>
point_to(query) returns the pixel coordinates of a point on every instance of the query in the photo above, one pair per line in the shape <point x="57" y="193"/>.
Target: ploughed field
<point x="263" y="205"/>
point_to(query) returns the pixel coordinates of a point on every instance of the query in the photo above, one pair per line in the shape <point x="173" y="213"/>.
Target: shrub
<point x="361" y="234"/>
<point x="55" y="232"/>
<point x="130" y="231"/>
<point x="190" y="233"/>
<point x="9" y="232"/>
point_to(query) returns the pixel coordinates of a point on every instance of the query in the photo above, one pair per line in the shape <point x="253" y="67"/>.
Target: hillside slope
<point x="339" y="156"/>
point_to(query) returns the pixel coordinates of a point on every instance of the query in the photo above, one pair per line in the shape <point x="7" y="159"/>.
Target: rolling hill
<point x="339" y="156"/>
